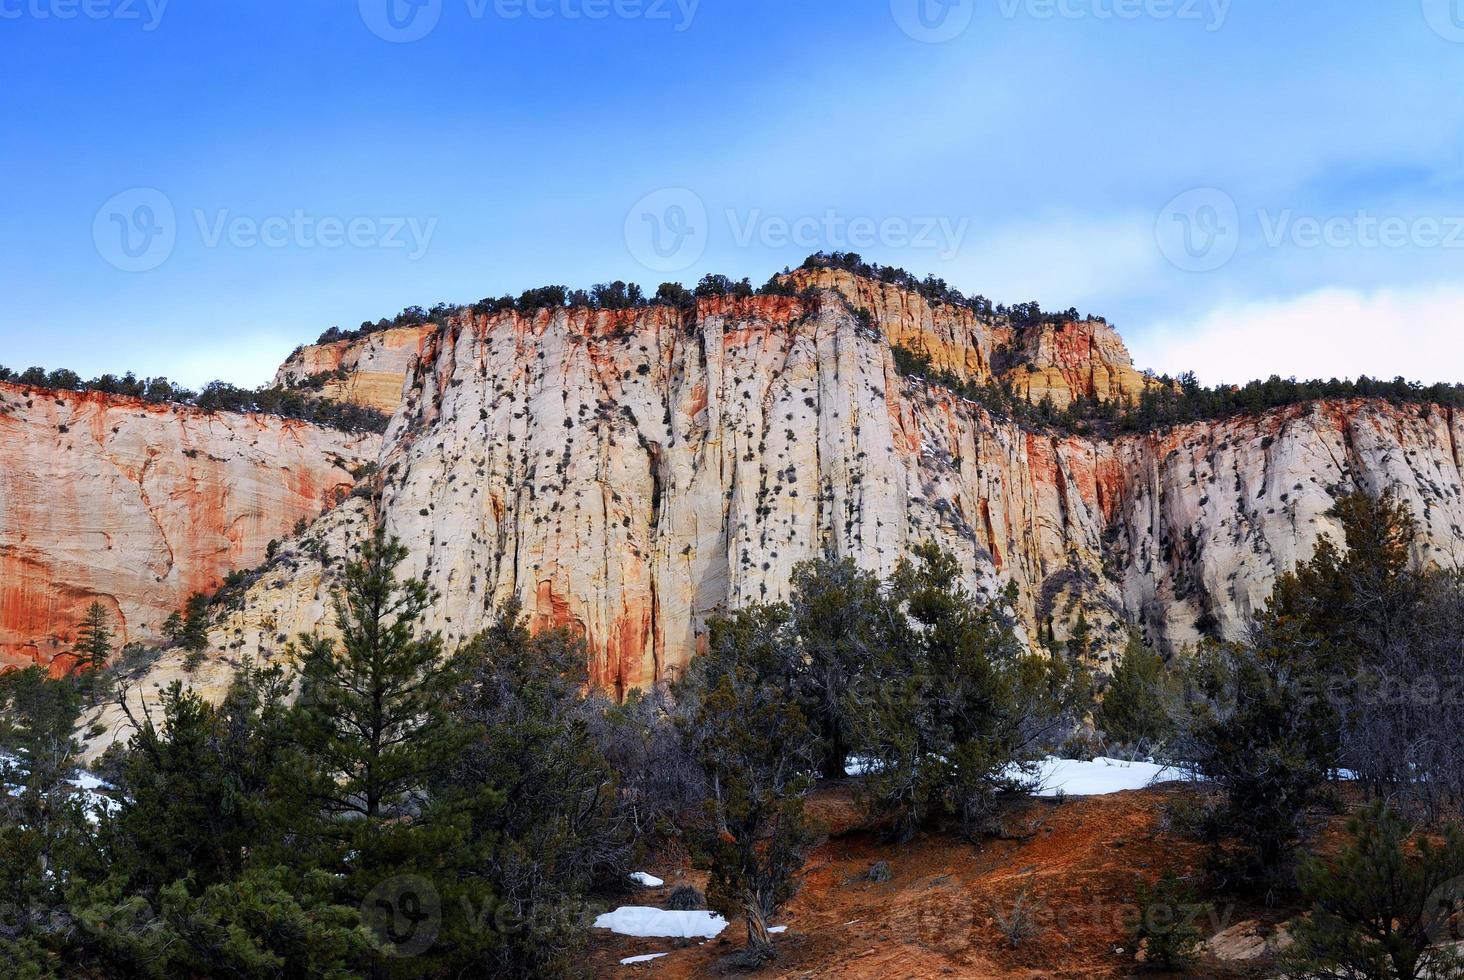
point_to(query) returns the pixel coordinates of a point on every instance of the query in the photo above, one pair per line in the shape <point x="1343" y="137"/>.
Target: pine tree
<point x="372" y="715"/>
<point x="954" y="705"/>
<point x="1378" y="912"/>
<point x="375" y="732"/>
<point x="1133" y="712"/>
<point x="94" y="640"/>
<point x="545" y="823"/>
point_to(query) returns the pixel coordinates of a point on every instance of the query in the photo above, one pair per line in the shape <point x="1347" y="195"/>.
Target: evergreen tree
<point x="839" y="617"/>
<point x="193" y="633"/>
<point x="372" y="715"/>
<point x="955" y="706"/>
<point x="545" y="821"/>
<point x="197" y="788"/>
<point x="94" y="640"/>
<point x="1134" y="712"/>
<point x="374" y="733"/>
<point x="757" y="754"/>
<point x="1376" y="911"/>
<point x="41" y="820"/>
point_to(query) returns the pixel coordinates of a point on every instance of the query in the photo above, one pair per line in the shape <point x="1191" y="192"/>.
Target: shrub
<point x="686" y="898"/>
<point x="1378" y="912"/>
<point x="1167" y="926"/>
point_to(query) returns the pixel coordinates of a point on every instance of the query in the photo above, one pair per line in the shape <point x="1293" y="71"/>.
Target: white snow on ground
<point x="639" y="920"/>
<point x="1073" y="777"/>
<point x="646" y="958"/>
<point x="648" y="881"/>
<point x="777" y="928"/>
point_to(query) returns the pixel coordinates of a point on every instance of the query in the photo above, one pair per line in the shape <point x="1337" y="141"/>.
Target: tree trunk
<point x="759" y="940"/>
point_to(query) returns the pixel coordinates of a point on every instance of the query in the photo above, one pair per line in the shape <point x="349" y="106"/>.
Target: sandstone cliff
<point x="629" y="473"/>
<point x="368" y="371"/>
<point x="138" y="505"/>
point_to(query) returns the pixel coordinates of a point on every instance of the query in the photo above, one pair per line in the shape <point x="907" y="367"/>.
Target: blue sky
<point x="1242" y="187"/>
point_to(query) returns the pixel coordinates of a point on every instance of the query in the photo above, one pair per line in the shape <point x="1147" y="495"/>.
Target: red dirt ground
<point x="1080" y="863"/>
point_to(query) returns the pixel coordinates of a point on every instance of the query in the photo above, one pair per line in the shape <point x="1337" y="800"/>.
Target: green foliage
<point x="1134" y="711"/>
<point x="197" y="786"/>
<point x="953" y="702"/>
<point x="191" y="630"/>
<point x="267" y="923"/>
<point x="545" y="815"/>
<point x="1168" y="924"/>
<point x="1379" y="912"/>
<point x="42" y="824"/>
<point x="217" y="396"/>
<point x="372" y="718"/>
<point x="94" y="640"/>
<point x="757" y="754"/>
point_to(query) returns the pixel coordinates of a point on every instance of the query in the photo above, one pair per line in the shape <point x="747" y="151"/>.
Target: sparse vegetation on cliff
<point x="218" y="396"/>
<point x="1171" y="401"/>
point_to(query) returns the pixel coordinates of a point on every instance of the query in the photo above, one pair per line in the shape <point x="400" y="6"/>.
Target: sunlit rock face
<point x="137" y="506"/>
<point x="630" y="473"/>
<point x="367" y="372"/>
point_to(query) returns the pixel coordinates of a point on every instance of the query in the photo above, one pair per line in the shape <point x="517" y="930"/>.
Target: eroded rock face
<point x="367" y="372"/>
<point x="137" y="506"/>
<point x="630" y="473"/>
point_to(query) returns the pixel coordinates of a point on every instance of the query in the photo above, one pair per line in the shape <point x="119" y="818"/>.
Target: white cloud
<point x="1415" y="333"/>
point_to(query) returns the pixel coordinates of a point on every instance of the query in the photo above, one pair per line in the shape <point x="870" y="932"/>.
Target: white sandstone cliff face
<point x="630" y="473"/>
<point x="137" y="506"/>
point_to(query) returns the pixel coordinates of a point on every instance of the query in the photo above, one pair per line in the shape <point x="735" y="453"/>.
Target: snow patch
<point x="1097" y="777"/>
<point x="645" y="958"/>
<point x="645" y="880"/>
<point x="649" y="923"/>
<point x="1070" y="777"/>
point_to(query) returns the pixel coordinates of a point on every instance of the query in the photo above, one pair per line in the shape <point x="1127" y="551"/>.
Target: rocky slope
<point x="139" y="505"/>
<point x="629" y="473"/>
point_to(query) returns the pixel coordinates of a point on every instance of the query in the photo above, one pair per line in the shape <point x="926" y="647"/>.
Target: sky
<point x="195" y="187"/>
